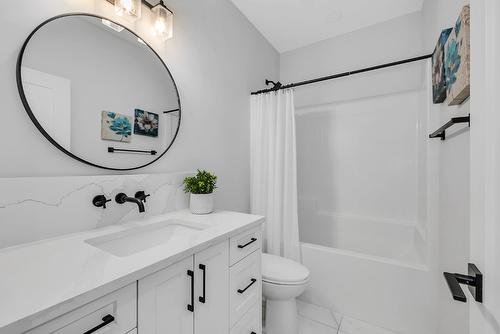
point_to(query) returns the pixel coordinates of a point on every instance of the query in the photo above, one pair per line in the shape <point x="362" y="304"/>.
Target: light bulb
<point x="128" y="7"/>
<point x="163" y="25"/>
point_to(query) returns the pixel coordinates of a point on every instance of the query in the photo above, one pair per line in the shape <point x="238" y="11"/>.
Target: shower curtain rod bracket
<point x="276" y="85"/>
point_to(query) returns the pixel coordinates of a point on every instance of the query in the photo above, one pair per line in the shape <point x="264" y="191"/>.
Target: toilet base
<point x="282" y="317"/>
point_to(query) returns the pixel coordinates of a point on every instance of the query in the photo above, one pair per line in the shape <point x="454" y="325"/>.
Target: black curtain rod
<point x="279" y="86"/>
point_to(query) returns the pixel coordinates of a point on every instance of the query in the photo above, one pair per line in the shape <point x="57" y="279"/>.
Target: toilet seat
<point x="281" y="271"/>
<point x="286" y="283"/>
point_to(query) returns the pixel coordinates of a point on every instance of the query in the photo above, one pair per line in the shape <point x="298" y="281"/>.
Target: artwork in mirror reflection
<point x="116" y="127"/>
<point x="146" y="123"/>
<point x="84" y="81"/>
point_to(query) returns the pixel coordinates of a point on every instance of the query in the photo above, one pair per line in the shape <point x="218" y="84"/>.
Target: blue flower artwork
<point x="116" y="127"/>
<point x="457" y="60"/>
<point x="452" y="63"/>
<point x="438" y="68"/>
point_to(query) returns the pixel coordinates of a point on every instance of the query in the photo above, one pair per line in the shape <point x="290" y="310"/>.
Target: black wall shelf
<point x="441" y="132"/>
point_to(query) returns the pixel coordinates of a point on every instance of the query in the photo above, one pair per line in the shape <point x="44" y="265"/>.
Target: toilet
<point x="283" y="280"/>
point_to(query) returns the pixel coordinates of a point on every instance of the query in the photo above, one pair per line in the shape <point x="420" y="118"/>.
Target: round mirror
<point x="98" y="92"/>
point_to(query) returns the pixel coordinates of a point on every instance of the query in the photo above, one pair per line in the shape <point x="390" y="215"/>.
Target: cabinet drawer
<point x="245" y="286"/>
<point x="251" y="323"/>
<point x="115" y="312"/>
<point x="244" y="244"/>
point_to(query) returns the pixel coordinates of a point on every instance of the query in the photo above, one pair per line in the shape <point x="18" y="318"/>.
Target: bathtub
<point x="384" y="240"/>
<point x="370" y="270"/>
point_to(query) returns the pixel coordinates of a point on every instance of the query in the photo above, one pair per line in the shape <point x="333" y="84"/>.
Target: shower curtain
<point x="273" y="171"/>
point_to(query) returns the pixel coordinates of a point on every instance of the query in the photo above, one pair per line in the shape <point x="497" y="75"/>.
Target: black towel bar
<point x="113" y="150"/>
<point x="441" y="132"/>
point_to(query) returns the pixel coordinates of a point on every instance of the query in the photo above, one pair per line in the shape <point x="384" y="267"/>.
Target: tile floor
<point x="318" y="320"/>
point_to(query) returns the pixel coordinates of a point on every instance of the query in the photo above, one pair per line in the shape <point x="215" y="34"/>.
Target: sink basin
<point x="138" y="239"/>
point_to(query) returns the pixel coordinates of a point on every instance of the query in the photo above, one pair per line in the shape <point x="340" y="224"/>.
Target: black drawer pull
<point x="248" y="243"/>
<point x="248" y="286"/>
<point x="204" y="269"/>
<point x="190" y="307"/>
<point x="106" y="320"/>
<point x="253" y="333"/>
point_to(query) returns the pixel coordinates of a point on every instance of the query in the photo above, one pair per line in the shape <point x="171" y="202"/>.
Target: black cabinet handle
<point x="253" y="280"/>
<point x="253" y="333"/>
<point x="106" y="320"/>
<point x="248" y="243"/>
<point x="190" y="307"/>
<point x="204" y="269"/>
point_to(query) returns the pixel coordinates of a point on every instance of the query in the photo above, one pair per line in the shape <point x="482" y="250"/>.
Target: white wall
<point x="454" y="177"/>
<point x="216" y="57"/>
<point x="392" y="40"/>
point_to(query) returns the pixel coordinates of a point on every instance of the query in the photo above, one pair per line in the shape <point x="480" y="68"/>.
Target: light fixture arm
<point x="147" y="4"/>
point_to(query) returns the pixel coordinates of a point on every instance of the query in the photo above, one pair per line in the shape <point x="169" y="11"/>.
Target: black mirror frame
<point x="39" y="126"/>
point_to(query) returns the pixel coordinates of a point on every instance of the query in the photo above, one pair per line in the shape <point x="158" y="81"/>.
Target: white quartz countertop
<point x="45" y="279"/>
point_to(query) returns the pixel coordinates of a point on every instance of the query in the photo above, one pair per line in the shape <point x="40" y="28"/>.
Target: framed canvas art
<point x="457" y="60"/>
<point x="438" y="72"/>
<point x="146" y="123"/>
<point x="116" y="127"/>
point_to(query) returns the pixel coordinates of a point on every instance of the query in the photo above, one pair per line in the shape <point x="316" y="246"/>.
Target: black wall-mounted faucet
<point x="141" y="195"/>
<point x="122" y="198"/>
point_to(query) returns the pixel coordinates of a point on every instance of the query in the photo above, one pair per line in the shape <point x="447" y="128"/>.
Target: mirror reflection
<point x="99" y="92"/>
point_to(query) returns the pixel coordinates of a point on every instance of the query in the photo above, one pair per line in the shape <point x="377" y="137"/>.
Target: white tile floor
<point x="317" y="320"/>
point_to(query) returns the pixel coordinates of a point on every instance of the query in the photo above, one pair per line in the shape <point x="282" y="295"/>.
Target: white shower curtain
<point x="274" y="171"/>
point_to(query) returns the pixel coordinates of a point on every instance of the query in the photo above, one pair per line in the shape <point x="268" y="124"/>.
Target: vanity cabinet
<point x="114" y="313"/>
<point x="192" y="293"/>
<point x="215" y="291"/>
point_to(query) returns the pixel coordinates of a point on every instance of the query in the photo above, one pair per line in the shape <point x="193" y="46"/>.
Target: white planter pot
<point x="201" y="204"/>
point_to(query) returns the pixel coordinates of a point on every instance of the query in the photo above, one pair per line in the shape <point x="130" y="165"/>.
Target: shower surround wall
<point x="377" y="252"/>
<point x="364" y="192"/>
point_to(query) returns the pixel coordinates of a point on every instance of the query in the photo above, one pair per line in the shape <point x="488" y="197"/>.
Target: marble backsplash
<point x="33" y="209"/>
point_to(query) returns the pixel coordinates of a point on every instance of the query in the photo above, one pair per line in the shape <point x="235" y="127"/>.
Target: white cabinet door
<point x="164" y="298"/>
<point x="212" y="290"/>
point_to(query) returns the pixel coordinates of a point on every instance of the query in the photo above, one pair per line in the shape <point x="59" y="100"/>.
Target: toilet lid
<point x="281" y="270"/>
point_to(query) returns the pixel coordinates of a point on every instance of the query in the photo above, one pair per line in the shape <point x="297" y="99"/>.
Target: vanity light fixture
<point x="163" y="18"/>
<point x="164" y="21"/>
<point x="128" y="7"/>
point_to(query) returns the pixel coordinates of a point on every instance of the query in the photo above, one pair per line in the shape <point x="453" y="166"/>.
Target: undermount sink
<point x="138" y="239"/>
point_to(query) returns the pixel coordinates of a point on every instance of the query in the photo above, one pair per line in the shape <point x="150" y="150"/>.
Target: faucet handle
<point x="100" y="201"/>
<point x="141" y="195"/>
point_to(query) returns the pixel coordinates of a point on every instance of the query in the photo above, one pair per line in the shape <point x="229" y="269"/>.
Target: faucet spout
<point x="122" y="198"/>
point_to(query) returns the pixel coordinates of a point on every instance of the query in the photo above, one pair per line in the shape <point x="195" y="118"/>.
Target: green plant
<point x="202" y="183"/>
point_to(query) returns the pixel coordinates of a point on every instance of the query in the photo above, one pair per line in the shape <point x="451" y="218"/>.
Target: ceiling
<point x="290" y="24"/>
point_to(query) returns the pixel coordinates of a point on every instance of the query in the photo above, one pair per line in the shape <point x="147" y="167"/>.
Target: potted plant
<point x="201" y="187"/>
